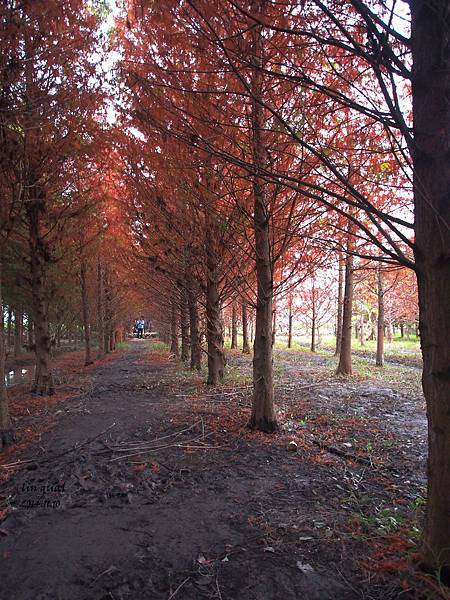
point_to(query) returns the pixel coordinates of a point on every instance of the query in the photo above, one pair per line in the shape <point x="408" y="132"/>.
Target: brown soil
<point x="149" y="486"/>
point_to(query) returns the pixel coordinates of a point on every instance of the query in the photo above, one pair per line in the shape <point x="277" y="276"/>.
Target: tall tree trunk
<point x="274" y="325"/>
<point x="233" y="325"/>
<point x="431" y="110"/>
<point x="290" y="324"/>
<point x="313" y="319"/>
<point x="263" y="416"/>
<point x="43" y="379"/>
<point x="214" y="329"/>
<point x="379" y="361"/>
<point x="100" y="311"/>
<point x="9" y="330"/>
<point x="184" y="323"/>
<point x="174" y="348"/>
<point x="196" y="350"/>
<point x="362" y="339"/>
<point x="245" y="344"/>
<point x="18" y="318"/>
<point x="6" y="431"/>
<point x="345" y="355"/>
<point x="30" y="337"/>
<point x="85" y="308"/>
<point x="339" y="306"/>
<point x="402" y="329"/>
<point x="107" y="311"/>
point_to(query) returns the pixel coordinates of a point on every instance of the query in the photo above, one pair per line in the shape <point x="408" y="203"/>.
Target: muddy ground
<point x="147" y="485"/>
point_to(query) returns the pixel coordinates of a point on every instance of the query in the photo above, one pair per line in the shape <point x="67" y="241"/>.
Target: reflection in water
<point x="19" y="375"/>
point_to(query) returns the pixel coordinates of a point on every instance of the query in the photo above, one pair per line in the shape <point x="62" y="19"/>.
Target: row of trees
<point x="265" y="138"/>
<point x="256" y="143"/>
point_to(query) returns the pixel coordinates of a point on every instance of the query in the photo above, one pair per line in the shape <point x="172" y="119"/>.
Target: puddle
<point x="18" y="376"/>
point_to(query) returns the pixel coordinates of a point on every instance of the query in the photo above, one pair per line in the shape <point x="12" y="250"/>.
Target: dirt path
<point x="210" y="511"/>
<point x="87" y="526"/>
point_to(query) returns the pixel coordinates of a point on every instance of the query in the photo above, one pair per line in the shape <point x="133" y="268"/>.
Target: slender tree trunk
<point x="431" y="110"/>
<point x="214" y="329"/>
<point x="184" y="322"/>
<point x="233" y="325"/>
<point x="6" y="430"/>
<point x="43" y="380"/>
<point x="402" y="329"/>
<point x="9" y="325"/>
<point x="379" y="361"/>
<point x="313" y="320"/>
<point x="274" y="326"/>
<point x="17" y="331"/>
<point x="100" y="312"/>
<point x="174" y="348"/>
<point x="345" y="355"/>
<point x="86" y="316"/>
<point x="290" y="324"/>
<point x="263" y="416"/>
<point x="196" y="350"/>
<point x="245" y="344"/>
<point x="30" y="340"/>
<point x="362" y="340"/>
<point x="107" y="311"/>
<point x="339" y="306"/>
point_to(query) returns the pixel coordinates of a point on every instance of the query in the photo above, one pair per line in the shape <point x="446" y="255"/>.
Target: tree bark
<point x="86" y="316"/>
<point x="345" y="355"/>
<point x="233" y="325"/>
<point x="9" y="330"/>
<point x="196" y="350"/>
<point x="339" y="306"/>
<point x="18" y="316"/>
<point x="290" y="324"/>
<point x="184" y="323"/>
<point x="313" y="319"/>
<point x="379" y="361"/>
<point x="100" y="312"/>
<point x="245" y="344"/>
<point x="174" y="348"/>
<point x="214" y="329"/>
<point x="6" y="430"/>
<point x="362" y="340"/>
<point x="43" y="379"/>
<point x="431" y="111"/>
<point x="263" y="416"/>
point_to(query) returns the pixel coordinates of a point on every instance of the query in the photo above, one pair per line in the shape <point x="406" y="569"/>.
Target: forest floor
<point x="138" y="481"/>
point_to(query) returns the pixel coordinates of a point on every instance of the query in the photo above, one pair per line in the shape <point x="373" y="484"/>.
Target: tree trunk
<point x="290" y="324"/>
<point x="233" y="325"/>
<point x="245" y="344"/>
<point x="402" y="329"/>
<point x="100" y="312"/>
<point x="263" y="409"/>
<point x="214" y="329"/>
<point x="184" y="323"/>
<point x="6" y="431"/>
<point x="431" y="111"/>
<point x="345" y="355"/>
<point x="274" y="326"/>
<point x="362" y="340"/>
<point x="9" y="325"/>
<point x="43" y="379"/>
<point x="379" y="361"/>
<point x="30" y="337"/>
<point x="196" y="350"/>
<point x="313" y="319"/>
<point x="86" y="320"/>
<point x="174" y="348"/>
<point x="18" y="316"/>
<point x="339" y="306"/>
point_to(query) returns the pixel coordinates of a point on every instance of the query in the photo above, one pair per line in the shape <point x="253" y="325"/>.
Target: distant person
<point x="140" y="324"/>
